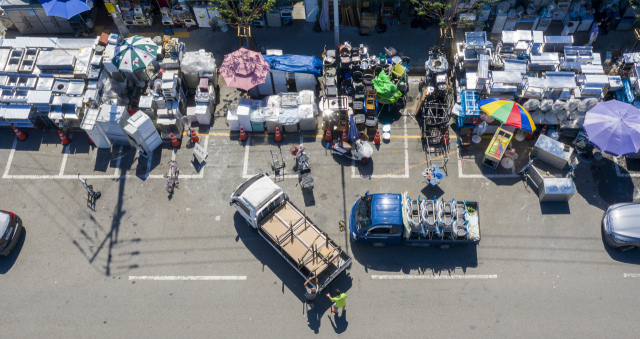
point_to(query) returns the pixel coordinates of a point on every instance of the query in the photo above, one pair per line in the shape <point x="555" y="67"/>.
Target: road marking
<point x="479" y="176"/>
<point x="117" y="171"/>
<point x="245" y="166"/>
<point x="631" y="275"/>
<point x="13" y="151"/>
<point x="116" y="175"/>
<point x="188" y="277"/>
<point x="432" y="277"/>
<point x="64" y="159"/>
<point x="388" y="176"/>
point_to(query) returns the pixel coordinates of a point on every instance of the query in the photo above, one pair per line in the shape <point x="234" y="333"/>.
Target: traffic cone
<point x="21" y="136"/>
<point x="328" y="136"/>
<point x="469" y="133"/>
<point x="278" y="136"/>
<point x="544" y="130"/>
<point x="243" y="135"/>
<point x="194" y="137"/>
<point x="376" y="139"/>
<point x="344" y="136"/>
<point x="529" y="136"/>
<point x="445" y="138"/>
<point x="174" y="142"/>
<point x="65" y="140"/>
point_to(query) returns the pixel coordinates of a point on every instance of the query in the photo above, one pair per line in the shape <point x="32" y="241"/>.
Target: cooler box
<point x="307" y="118"/>
<point x="243" y="112"/>
<point x="271" y="115"/>
<point x="289" y="118"/>
<point x="232" y="120"/>
<point x="203" y="114"/>
<point x="291" y="128"/>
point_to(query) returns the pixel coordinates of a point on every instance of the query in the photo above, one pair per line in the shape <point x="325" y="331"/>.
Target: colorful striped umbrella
<point x="508" y="112"/>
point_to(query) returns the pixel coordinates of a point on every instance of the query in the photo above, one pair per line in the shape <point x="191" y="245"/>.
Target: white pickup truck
<point x="289" y="231"/>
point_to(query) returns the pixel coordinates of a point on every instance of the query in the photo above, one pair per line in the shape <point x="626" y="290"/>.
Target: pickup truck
<point x="383" y="219"/>
<point x="289" y="231"/>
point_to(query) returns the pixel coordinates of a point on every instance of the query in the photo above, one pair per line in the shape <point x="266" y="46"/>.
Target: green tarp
<point x="386" y="91"/>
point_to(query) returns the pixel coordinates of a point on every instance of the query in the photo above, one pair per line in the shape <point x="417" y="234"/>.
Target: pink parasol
<point x="244" y="69"/>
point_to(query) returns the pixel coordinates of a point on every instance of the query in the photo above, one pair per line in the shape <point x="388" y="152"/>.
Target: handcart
<point x="277" y="165"/>
<point x="435" y="131"/>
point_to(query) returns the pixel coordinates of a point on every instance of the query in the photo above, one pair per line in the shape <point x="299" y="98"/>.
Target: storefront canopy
<point x="295" y="64"/>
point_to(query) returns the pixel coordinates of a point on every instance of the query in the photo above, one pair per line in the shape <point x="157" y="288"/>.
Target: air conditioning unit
<point x="138" y="18"/>
<point x="190" y="22"/>
<point x="141" y="22"/>
<point x="259" y="23"/>
<point x="166" y="20"/>
<point x="130" y="22"/>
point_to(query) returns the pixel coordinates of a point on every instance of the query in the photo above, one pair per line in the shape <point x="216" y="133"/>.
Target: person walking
<point x="340" y="301"/>
<point x="311" y="293"/>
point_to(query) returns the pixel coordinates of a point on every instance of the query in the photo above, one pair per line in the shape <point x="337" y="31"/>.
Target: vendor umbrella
<point x="508" y="112"/>
<point x="135" y="53"/>
<point x="614" y="127"/>
<point x="64" y="8"/>
<point x="244" y="69"/>
<point x="354" y="133"/>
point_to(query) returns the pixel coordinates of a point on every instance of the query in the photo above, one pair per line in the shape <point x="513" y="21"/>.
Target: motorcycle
<point x="361" y="151"/>
<point x="302" y="165"/>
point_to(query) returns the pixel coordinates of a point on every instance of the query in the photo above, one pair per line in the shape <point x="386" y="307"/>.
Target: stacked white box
<point x="93" y="131"/>
<point x="143" y="133"/>
<point x="243" y="114"/>
<point x="111" y="120"/>
<point x="203" y="114"/>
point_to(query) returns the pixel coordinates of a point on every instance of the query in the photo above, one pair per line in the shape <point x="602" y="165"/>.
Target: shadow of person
<point x="341" y="322"/>
<point x="314" y="318"/>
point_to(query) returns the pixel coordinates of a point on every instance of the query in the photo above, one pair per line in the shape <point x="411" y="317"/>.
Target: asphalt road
<point x="541" y="269"/>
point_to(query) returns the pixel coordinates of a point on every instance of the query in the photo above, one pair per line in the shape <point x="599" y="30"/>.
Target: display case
<point x="497" y="148"/>
<point x="552" y="152"/>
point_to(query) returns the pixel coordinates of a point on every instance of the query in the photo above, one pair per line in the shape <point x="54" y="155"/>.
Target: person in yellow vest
<point x="340" y="301"/>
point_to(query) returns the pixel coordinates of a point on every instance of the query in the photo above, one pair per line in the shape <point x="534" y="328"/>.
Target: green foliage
<point x="447" y="12"/>
<point x="241" y="13"/>
<point x="471" y="210"/>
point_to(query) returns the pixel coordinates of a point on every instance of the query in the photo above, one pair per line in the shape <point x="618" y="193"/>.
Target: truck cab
<point x="377" y="219"/>
<point x="255" y="198"/>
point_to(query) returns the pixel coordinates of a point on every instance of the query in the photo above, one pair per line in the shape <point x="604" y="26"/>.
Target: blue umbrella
<point x="64" y="8"/>
<point x="614" y="127"/>
<point x="354" y="134"/>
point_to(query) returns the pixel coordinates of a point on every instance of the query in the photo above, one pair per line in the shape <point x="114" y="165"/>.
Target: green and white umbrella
<point x="135" y="53"/>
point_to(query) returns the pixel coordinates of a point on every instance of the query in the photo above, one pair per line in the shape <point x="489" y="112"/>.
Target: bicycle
<point x="92" y="195"/>
<point x="173" y="176"/>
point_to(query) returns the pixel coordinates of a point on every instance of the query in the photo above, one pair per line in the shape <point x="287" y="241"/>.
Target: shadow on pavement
<point x="406" y="258"/>
<point x="628" y="257"/>
<point x="6" y="263"/>
<point x="599" y="184"/>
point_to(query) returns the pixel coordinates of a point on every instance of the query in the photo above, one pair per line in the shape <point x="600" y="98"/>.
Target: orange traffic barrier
<point x="243" y="135"/>
<point x="376" y="139"/>
<point x="63" y="138"/>
<point x="344" y="136"/>
<point x="194" y="137"/>
<point x="544" y="130"/>
<point x="445" y="138"/>
<point x="21" y="136"/>
<point x="328" y="136"/>
<point x="278" y="136"/>
<point x="174" y="141"/>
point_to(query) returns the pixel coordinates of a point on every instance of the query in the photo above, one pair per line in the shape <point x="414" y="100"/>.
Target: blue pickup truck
<point x="392" y="219"/>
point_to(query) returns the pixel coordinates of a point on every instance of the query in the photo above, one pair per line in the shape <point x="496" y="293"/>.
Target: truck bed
<point x="422" y="241"/>
<point x="303" y="244"/>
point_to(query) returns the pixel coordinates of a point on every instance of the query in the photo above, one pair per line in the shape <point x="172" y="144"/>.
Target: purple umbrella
<point x="614" y="127"/>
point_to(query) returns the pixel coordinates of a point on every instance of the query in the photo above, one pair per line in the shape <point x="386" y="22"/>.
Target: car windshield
<point x="363" y="213"/>
<point x="4" y="233"/>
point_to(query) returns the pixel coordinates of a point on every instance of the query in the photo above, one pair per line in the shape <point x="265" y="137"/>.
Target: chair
<point x="377" y="70"/>
<point x="357" y="76"/>
<point x="398" y="70"/>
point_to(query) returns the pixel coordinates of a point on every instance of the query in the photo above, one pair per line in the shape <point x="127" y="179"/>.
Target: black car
<point x="10" y="228"/>
<point x="621" y="226"/>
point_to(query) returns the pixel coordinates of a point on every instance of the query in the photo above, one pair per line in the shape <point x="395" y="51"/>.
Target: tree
<point x="241" y="14"/>
<point x="450" y="13"/>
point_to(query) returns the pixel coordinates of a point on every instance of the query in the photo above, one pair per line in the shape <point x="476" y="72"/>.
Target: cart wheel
<point x="445" y="246"/>
<point x="96" y="195"/>
<point x="378" y="244"/>
<point x="365" y="160"/>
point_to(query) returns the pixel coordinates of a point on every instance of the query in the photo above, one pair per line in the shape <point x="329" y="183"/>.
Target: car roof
<point x="625" y="219"/>
<point x="386" y="209"/>
<point x="260" y="192"/>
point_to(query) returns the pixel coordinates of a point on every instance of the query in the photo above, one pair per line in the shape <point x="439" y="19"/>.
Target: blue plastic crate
<point x="470" y="108"/>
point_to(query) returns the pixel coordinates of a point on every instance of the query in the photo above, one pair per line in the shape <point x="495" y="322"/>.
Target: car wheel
<point x="378" y="244"/>
<point x="625" y="248"/>
<point x="445" y="246"/>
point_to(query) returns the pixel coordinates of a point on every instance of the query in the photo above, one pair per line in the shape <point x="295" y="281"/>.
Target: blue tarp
<point x="295" y="63"/>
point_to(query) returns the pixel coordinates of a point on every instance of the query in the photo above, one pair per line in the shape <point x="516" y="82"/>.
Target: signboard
<point x="200" y="153"/>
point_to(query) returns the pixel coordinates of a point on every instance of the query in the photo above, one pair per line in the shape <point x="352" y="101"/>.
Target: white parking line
<point x="432" y="277"/>
<point x="631" y="275"/>
<point x="64" y="159"/>
<point x="188" y="277"/>
<point x="389" y="176"/>
<point x="115" y="175"/>
<point x="245" y="166"/>
<point x="480" y="176"/>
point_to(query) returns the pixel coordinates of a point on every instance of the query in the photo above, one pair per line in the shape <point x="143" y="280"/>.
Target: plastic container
<point x="232" y="120"/>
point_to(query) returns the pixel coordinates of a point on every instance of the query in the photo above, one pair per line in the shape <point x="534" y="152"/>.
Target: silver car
<point x="621" y="226"/>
